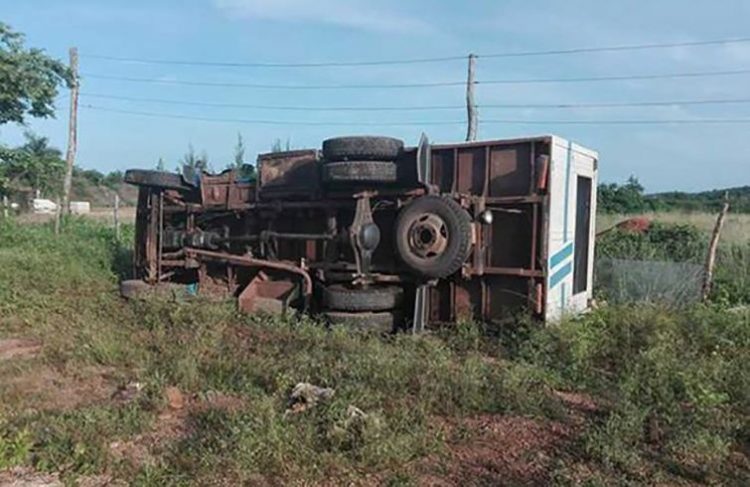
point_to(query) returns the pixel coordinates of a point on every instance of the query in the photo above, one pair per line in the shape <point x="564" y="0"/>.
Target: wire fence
<point x="621" y="281"/>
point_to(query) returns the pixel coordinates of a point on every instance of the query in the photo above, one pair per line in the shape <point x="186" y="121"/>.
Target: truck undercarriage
<point x="364" y="232"/>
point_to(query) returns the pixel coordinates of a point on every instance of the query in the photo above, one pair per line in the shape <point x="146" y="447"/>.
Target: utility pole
<point x="70" y="156"/>
<point x="471" y="108"/>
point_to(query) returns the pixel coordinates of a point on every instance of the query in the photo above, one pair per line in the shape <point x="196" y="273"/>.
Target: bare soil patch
<point x="18" y="348"/>
<point x="500" y="450"/>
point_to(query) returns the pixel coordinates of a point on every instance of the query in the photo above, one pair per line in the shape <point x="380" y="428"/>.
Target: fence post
<point x="117" y="216"/>
<point x="58" y="215"/>
<point x="708" y="275"/>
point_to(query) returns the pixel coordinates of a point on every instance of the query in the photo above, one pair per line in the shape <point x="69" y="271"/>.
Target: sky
<point x="664" y="157"/>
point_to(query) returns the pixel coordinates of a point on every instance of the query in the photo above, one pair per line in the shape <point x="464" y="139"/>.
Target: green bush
<point x="676" y="382"/>
<point x="662" y="241"/>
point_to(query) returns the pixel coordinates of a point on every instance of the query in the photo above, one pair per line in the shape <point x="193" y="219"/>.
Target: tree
<point x="626" y="198"/>
<point x="33" y="166"/>
<point x="246" y="171"/>
<point x="239" y="152"/>
<point x="29" y="79"/>
<point x="278" y="147"/>
<point x="189" y="160"/>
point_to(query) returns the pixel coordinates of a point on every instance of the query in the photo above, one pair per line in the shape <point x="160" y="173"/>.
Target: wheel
<point x="133" y="288"/>
<point x="360" y="172"/>
<point x="433" y="236"/>
<point x="382" y="322"/>
<point x="362" y="148"/>
<point x="341" y="297"/>
<point x="161" y="179"/>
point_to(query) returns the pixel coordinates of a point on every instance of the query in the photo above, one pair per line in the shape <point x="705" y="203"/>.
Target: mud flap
<point x="421" y="298"/>
<point x="424" y="169"/>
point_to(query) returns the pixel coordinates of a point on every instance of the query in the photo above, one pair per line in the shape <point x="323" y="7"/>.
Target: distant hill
<point x="739" y="198"/>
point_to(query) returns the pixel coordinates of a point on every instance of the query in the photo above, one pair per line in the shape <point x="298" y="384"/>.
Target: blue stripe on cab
<point x="560" y="274"/>
<point x="560" y="256"/>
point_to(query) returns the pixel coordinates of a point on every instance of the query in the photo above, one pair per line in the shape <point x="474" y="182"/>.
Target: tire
<point x="360" y="172"/>
<point x="382" y="322"/>
<point x="159" y="179"/>
<point x="362" y="148"/>
<point x="446" y="223"/>
<point x="341" y="297"/>
<point x="133" y="288"/>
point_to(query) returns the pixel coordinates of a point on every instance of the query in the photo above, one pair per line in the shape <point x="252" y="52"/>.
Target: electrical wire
<point x="550" y="52"/>
<point x="223" y="84"/>
<point x="699" y="74"/>
<point x="662" y="103"/>
<point x="424" y="122"/>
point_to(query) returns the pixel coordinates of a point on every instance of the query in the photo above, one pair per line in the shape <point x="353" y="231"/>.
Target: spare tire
<point x="342" y="297"/>
<point x="433" y="236"/>
<point x="360" y="172"/>
<point x="362" y="148"/>
<point x="382" y="322"/>
<point x="159" y="179"/>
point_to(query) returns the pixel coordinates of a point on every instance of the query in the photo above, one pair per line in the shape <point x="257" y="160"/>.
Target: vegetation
<point x="29" y="79"/>
<point x="679" y="243"/>
<point x="629" y="198"/>
<point x="665" y="392"/>
<point x="34" y="167"/>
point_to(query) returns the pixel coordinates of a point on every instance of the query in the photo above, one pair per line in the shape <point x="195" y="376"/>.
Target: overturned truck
<point x="369" y="233"/>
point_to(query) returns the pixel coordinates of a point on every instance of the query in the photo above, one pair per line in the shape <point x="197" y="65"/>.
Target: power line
<point x="552" y="52"/>
<point x="274" y="86"/>
<point x="698" y="74"/>
<point x="270" y="122"/>
<point x="428" y="122"/>
<point x="274" y="107"/>
<point x="620" y="104"/>
<point x="661" y="103"/>
<point x="631" y="47"/>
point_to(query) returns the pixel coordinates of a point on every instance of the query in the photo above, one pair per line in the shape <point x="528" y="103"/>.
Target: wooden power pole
<point x="70" y="156"/>
<point x="471" y="107"/>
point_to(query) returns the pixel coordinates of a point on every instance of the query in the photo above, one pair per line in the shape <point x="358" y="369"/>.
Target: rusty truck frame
<point x="374" y="234"/>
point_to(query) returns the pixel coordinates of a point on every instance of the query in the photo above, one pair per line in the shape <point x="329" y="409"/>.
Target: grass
<point x="670" y="386"/>
<point x="736" y="227"/>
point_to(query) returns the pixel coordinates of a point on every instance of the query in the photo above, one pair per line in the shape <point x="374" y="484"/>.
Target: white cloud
<point x="355" y="14"/>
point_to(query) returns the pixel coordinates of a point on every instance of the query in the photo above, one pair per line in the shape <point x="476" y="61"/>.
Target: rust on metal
<point x="262" y="239"/>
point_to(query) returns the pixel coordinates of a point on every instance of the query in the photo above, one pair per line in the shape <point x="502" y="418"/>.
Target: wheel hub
<point x="428" y="236"/>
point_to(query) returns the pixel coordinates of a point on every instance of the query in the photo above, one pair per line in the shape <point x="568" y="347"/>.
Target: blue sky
<point x="684" y="157"/>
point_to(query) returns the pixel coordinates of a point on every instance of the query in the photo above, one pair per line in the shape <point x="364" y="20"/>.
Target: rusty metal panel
<point x="224" y="190"/>
<point x="508" y="296"/>
<point x="467" y="299"/>
<point x="511" y="237"/>
<point x="471" y="173"/>
<point x="510" y="169"/>
<point x="294" y="171"/>
<point x="442" y="162"/>
<point x="440" y="302"/>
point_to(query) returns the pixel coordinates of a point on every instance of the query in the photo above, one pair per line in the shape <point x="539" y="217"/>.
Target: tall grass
<point x="671" y="385"/>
